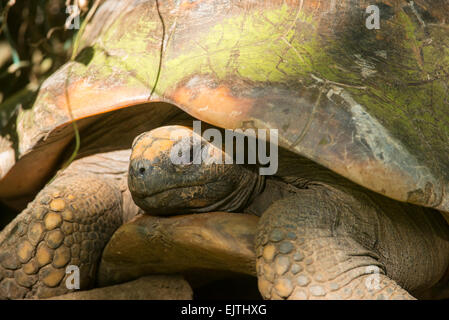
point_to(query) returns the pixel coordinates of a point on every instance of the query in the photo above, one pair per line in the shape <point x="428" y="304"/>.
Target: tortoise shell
<point x="369" y="103"/>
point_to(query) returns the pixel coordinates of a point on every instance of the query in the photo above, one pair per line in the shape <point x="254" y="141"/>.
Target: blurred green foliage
<point x="33" y="43"/>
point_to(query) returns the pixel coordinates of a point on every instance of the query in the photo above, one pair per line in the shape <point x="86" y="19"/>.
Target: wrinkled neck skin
<point x="254" y="194"/>
<point x="274" y="189"/>
<point x="250" y="186"/>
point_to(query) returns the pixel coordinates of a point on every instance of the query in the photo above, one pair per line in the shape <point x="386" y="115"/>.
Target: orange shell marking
<point x="88" y="99"/>
<point x="214" y="105"/>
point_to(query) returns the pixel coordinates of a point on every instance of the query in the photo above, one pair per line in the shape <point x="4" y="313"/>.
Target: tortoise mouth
<point x="177" y="200"/>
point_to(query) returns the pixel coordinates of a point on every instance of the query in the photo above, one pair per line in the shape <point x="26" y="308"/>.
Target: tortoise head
<point x="173" y="170"/>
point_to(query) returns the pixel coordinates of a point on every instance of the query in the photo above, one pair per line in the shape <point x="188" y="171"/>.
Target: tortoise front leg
<point x="68" y="223"/>
<point x="306" y="250"/>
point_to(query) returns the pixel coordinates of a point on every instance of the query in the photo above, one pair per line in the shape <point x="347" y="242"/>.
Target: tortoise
<point x="364" y="105"/>
<point x="319" y="236"/>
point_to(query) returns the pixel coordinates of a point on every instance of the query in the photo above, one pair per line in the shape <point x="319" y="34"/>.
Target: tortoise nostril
<point x="141" y="170"/>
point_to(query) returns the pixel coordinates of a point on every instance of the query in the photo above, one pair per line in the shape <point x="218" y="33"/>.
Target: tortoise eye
<point x="142" y="170"/>
<point x="191" y="155"/>
<point x="187" y="160"/>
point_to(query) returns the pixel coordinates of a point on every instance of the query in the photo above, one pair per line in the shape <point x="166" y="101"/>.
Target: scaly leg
<point x="68" y="223"/>
<point x="316" y="246"/>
